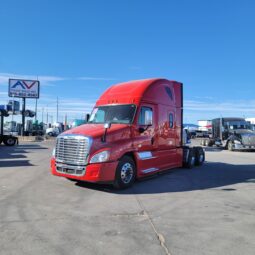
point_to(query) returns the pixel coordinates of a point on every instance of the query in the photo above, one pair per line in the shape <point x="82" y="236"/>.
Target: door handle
<point x="152" y="140"/>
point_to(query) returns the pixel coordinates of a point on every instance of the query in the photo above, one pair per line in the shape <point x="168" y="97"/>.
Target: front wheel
<point x="125" y="173"/>
<point x="230" y="146"/>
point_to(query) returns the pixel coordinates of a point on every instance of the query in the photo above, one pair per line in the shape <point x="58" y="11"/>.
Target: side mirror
<point x="141" y="129"/>
<point x="87" y="117"/>
<point x="107" y="125"/>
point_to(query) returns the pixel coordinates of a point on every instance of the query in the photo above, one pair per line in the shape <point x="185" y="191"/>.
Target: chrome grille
<point x="72" y="149"/>
<point x="248" y="139"/>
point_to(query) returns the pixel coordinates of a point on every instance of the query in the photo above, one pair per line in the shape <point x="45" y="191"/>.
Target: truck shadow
<point x="212" y="175"/>
<point x="15" y="156"/>
<point x="15" y="163"/>
<point x="213" y="149"/>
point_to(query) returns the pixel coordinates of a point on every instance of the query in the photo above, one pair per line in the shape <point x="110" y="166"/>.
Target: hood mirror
<point x="87" y="117"/>
<point x="143" y="129"/>
<point x="106" y="126"/>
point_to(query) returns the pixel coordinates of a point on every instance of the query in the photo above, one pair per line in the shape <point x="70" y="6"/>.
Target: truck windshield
<point x="121" y="114"/>
<point x="236" y="125"/>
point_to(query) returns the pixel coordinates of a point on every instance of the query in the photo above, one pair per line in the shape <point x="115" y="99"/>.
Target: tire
<point x="50" y="134"/>
<point x="9" y="141"/>
<point x="199" y="156"/>
<point x="125" y="173"/>
<point x="206" y="142"/>
<point x="191" y="159"/>
<point x="230" y="146"/>
<point x="210" y="142"/>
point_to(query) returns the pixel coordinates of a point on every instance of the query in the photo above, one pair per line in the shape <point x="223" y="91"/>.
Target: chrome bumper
<point x="243" y="147"/>
<point x="70" y="169"/>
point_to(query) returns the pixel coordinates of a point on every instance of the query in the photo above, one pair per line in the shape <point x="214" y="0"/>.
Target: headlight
<point x="237" y="142"/>
<point x="53" y="152"/>
<point x="100" y="157"/>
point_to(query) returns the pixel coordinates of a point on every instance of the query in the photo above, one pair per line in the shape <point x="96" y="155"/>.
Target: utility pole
<point x="23" y="116"/>
<point x="57" y="110"/>
<point x="42" y="114"/>
<point x="36" y="109"/>
<point x="65" y="122"/>
<point x="12" y="111"/>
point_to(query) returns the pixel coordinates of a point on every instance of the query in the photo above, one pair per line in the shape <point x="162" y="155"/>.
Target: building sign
<point x="24" y="88"/>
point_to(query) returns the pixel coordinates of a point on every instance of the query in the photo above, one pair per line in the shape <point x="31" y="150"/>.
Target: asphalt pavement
<point x="205" y="210"/>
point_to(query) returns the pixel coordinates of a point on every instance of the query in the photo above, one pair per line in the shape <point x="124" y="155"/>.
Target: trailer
<point x="252" y="123"/>
<point x="205" y="125"/>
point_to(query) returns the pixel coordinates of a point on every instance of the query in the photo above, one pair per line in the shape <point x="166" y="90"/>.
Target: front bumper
<point x="100" y="172"/>
<point x="237" y="146"/>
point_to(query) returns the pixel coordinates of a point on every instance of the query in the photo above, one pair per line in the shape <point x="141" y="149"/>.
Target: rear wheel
<point x="9" y="141"/>
<point x="210" y="142"/>
<point x="125" y="173"/>
<point x="190" y="162"/>
<point x="199" y="156"/>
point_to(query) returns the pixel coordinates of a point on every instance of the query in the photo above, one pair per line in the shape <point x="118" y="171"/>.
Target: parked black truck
<point x="232" y="134"/>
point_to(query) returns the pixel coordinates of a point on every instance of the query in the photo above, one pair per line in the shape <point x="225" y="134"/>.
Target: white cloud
<point x="72" y="107"/>
<point x="44" y="79"/>
<point x="86" y="78"/>
<point x="229" y="106"/>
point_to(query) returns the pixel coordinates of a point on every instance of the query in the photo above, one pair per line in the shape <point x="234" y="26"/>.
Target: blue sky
<point x="79" y="48"/>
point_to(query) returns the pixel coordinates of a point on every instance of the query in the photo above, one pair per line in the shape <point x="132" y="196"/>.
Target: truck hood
<point x="96" y="130"/>
<point x="244" y="132"/>
<point x="247" y="136"/>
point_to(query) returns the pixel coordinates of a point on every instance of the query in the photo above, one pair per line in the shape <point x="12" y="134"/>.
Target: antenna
<point x="36" y="104"/>
<point x="57" y="110"/>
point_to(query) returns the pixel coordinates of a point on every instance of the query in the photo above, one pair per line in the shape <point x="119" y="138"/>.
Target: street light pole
<point x="57" y="110"/>
<point x="36" y="109"/>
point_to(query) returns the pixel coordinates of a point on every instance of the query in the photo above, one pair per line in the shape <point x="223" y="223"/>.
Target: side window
<point x="98" y="115"/>
<point x="146" y="116"/>
<point x="169" y="92"/>
<point x="171" y="120"/>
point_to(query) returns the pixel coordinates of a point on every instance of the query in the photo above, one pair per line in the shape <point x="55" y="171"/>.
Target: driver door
<point x="145" y="139"/>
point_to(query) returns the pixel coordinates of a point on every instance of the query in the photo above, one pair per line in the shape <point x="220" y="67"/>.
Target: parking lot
<point x="205" y="210"/>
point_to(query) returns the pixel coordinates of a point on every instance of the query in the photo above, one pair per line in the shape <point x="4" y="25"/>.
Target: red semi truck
<point x="134" y="130"/>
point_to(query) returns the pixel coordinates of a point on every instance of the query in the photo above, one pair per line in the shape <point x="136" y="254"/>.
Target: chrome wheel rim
<point x="126" y="173"/>
<point x="192" y="161"/>
<point x="10" y="141"/>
